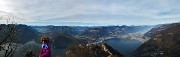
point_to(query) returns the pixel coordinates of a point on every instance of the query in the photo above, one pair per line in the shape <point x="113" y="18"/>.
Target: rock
<point x="92" y="50"/>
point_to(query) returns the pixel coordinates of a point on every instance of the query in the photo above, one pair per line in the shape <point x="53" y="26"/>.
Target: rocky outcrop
<point x="92" y="50"/>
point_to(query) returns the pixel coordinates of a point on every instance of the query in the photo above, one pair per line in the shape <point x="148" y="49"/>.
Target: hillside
<point x="164" y="42"/>
<point x="20" y="33"/>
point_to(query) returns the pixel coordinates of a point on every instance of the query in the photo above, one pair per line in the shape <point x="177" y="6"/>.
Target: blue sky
<point x="91" y="12"/>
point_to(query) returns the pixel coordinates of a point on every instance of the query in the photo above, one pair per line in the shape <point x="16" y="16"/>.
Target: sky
<point x="90" y="12"/>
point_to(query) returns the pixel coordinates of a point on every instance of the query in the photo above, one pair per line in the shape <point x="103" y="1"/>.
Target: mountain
<point x="96" y="33"/>
<point x="63" y="37"/>
<point x="91" y="50"/>
<point x="157" y="29"/>
<point x="164" y="42"/>
<point x="20" y="33"/>
<point x="53" y="30"/>
<point x="66" y="36"/>
<point x="125" y="32"/>
<point x="63" y="40"/>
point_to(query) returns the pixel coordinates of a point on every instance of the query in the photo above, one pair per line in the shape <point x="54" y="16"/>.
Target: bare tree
<point x="7" y="36"/>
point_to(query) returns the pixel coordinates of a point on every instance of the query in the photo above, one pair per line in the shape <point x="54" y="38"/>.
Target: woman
<point x="46" y="47"/>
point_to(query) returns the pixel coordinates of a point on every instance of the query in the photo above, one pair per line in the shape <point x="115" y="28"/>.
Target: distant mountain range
<point x="97" y="32"/>
<point x="157" y="41"/>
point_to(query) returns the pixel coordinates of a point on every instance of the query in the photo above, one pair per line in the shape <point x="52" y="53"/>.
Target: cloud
<point x="100" y="12"/>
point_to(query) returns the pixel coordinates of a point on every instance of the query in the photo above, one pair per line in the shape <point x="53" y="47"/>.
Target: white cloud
<point x="108" y="12"/>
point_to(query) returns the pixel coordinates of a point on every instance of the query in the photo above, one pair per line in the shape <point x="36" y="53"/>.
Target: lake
<point x="124" y="46"/>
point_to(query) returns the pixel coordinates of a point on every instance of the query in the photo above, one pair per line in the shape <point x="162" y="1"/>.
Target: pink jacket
<point x="46" y="51"/>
